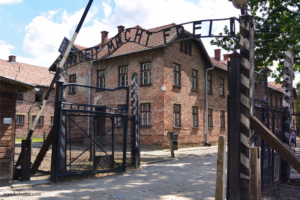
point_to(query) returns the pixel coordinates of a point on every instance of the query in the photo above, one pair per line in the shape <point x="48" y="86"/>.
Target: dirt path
<point x="191" y="176"/>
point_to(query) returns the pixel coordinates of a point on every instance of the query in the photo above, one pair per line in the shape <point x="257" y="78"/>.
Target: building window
<point x="221" y="87"/>
<point x="209" y="83"/>
<point x="72" y="80"/>
<point x="40" y="121"/>
<point x="275" y="98"/>
<point x="194" y="80"/>
<point x="186" y="48"/>
<point x="52" y="120"/>
<point x="176" y="110"/>
<point x="146" y="114"/>
<point x="20" y="119"/>
<point x="210" y="124"/>
<point x="176" y="74"/>
<point x="195" y="116"/>
<point x="123" y="76"/>
<point x="101" y="79"/>
<point x="19" y="97"/>
<point x="270" y="101"/>
<point x="146" y="73"/>
<point x="222" y="116"/>
<point x="38" y="96"/>
<point x="119" y="120"/>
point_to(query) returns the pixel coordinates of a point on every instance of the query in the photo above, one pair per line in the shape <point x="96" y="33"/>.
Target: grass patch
<point x="33" y="140"/>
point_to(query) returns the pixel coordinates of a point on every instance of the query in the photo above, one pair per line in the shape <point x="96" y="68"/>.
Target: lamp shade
<point x="239" y="4"/>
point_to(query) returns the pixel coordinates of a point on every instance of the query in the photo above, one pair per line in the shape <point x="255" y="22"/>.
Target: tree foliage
<point x="277" y="29"/>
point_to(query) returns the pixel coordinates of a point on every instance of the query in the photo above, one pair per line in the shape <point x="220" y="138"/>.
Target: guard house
<point x="8" y="91"/>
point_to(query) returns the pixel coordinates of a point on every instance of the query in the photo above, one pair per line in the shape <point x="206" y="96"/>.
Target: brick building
<point x="171" y="87"/>
<point x="275" y="98"/>
<point x="41" y="78"/>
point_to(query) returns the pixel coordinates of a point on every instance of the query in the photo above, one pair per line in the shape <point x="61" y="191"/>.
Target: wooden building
<point x="8" y="91"/>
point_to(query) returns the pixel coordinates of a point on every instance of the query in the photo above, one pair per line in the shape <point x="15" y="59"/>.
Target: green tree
<point x="277" y="29"/>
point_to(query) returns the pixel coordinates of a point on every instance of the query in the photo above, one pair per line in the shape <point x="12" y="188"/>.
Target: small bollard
<point x="173" y="140"/>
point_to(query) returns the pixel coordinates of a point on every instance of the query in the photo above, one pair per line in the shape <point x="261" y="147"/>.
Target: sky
<point x="34" y="29"/>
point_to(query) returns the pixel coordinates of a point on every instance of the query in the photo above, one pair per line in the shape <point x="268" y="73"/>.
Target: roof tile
<point x="26" y="73"/>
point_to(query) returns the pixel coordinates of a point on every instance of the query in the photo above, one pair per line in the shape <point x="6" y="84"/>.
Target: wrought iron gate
<point x="273" y="118"/>
<point x="92" y="136"/>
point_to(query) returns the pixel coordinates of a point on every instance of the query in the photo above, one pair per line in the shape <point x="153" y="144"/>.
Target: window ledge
<point x="176" y="86"/>
<point x="223" y="96"/>
<point x="145" y="126"/>
<point x="210" y="128"/>
<point x="195" y="127"/>
<point x="210" y="93"/>
<point x="195" y="90"/>
<point x="20" y="124"/>
<point x="145" y="85"/>
<point x="178" y="127"/>
<point x="20" y="101"/>
<point x="71" y="93"/>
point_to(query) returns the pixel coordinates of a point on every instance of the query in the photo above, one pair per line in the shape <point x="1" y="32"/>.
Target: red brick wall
<point x="23" y="108"/>
<point x="161" y="102"/>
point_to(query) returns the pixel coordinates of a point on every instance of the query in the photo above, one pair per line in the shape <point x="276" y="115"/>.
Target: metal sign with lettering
<point x="63" y="46"/>
<point x="143" y="37"/>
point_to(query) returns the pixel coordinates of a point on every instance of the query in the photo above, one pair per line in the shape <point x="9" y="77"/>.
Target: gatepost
<point x="240" y="109"/>
<point x="247" y="101"/>
<point x="287" y="106"/>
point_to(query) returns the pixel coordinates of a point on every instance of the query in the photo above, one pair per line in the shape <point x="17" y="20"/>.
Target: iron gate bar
<point x="90" y="138"/>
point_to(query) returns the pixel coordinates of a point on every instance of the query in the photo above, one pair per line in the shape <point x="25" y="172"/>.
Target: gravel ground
<point x="284" y="191"/>
<point x="190" y="176"/>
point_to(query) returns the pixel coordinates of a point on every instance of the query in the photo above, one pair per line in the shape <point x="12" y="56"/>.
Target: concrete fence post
<point x="221" y="168"/>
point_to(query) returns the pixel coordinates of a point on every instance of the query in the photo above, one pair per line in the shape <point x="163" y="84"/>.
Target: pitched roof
<point x="25" y="73"/>
<point x="219" y="64"/>
<point x="156" y="40"/>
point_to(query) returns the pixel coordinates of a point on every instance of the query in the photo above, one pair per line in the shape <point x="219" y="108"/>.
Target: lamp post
<point x="240" y="4"/>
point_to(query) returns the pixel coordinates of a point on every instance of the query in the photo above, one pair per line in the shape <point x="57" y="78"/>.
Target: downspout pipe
<point x="206" y="106"/>
<point x="90" y="75"/>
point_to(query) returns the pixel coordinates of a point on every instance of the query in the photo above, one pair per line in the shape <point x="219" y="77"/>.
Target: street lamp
<point x="240" y="4"/>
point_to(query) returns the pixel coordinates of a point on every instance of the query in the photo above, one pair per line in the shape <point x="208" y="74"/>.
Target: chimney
<point x="218" y="54"/>
<point x="104" y="37"/>
<point x="226" y="58"/>
<point x="120" y="28"/>
<point x="12" y="58"/>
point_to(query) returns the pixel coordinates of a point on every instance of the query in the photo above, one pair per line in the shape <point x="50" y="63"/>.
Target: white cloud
<point x="107" y="9"/>
<point x="148" y="14"/>
<point x="5" y="50"/>
<point x="44" y="35"/>
<point x="10" y="1"/>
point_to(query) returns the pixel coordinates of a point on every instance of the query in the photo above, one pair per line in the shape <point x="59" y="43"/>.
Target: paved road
<point x="191" y="176"/>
